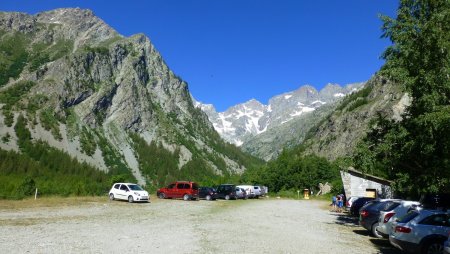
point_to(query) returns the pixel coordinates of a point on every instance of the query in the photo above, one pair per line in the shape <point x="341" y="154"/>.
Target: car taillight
<point x="387" y="217"/>
<point x="364" y="213"/>
<point x="402" y="229"/>
<point x="347" y="204"/>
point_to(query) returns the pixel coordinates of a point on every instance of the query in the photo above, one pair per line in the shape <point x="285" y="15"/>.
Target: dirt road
<point x="175" y="226"/>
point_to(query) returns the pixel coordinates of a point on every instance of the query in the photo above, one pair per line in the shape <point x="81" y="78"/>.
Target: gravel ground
<point x="175" y="226"/>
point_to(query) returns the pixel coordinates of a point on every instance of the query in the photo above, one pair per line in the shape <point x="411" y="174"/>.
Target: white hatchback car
<point x="387" y="218"/>
<point x="128" y="191"/>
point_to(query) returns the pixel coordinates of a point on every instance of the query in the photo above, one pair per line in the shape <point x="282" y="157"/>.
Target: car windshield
<point x="135" y="187"/>
<point x="194" y="186"/>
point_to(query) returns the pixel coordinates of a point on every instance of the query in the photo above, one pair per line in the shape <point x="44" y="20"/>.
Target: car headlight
<point x="137" y="194"/>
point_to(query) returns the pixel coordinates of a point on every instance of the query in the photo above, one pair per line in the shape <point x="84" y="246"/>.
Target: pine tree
<point x="416" y="150"/>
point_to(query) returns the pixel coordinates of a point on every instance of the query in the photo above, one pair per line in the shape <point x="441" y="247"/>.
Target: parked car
<point x="349" y="202"/>
<point x="357" y="204"/>
<point x="387" y="218"/>
<point x="226" y="191"/>
<point x="447" y="245"/>
<point x="241" y="193"/>
<point x="248" y="189"/>
<point x="128" y="191"/>
<point x="180" y="189"/>
<point x="421" y="231"/>
<point x="263" y="190"/>
<point x="257" y="191"/>
<point x="207" y="193"/>
<point x="370" y="213"/>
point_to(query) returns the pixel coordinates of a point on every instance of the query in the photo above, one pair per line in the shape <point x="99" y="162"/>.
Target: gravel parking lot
<point x="175" y="226"/>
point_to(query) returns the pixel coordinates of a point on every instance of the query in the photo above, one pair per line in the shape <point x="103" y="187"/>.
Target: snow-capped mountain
<point x="251" y="118"/>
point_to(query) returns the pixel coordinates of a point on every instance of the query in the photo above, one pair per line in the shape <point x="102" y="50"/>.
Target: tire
<point x="375" y="232"/>
<point x="130" y="199"/>
<point x="227" y="197"/>
<point x="186" y="197"/>
<point x="161" y="196"/>
<point x="434" y="247"/>
<point x="111" y="196"/>
<point x="208" y="197"/>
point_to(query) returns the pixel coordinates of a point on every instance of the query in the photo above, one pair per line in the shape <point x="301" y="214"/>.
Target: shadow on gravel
<point x="362" y="232"/>
<point x="346" y="220"/>
<point x="382" y="245"/>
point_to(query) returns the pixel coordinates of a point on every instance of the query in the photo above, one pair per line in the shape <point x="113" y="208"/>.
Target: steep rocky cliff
<point x="88" y="91"/>
<point x="337" y="134"/>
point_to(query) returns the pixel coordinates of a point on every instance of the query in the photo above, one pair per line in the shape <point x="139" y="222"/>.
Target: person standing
<point x="333" y="204"/>
<point x="340" y="203"/>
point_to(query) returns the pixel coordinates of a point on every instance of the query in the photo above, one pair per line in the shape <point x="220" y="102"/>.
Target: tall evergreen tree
<point x="416" y="150"/>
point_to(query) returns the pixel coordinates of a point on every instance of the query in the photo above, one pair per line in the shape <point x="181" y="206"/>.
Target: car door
<point x="436" y="224"/>
<point x="180" y="190"/>
<point x="220" y="192"/>
<point x="123" y="192"/>
<point x="171" y="190"/>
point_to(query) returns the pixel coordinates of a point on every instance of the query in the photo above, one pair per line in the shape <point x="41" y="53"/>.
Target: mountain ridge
<point x="243" y="121"/>
<point x="87" y="90"/>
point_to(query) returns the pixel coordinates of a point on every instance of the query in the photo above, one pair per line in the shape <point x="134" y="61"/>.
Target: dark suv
<point x="226" y="191"/>
<point x="180" y="189"/>
<point x="357" y="204"/>
<point x="207" y="193"/>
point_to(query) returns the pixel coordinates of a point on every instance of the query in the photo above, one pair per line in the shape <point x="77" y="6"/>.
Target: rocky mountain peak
<point x="244" y="121"/>
<point x="105" y="97"/>
<point x="77" y="24"/>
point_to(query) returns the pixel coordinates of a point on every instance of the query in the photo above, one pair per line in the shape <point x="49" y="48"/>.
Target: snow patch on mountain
<point x="253" y="118"/>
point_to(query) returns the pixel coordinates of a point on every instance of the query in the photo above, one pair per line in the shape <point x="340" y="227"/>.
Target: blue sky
<point x="230" y="51"/>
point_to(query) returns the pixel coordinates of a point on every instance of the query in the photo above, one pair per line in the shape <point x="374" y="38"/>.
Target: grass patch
<point x="50" y="201"/>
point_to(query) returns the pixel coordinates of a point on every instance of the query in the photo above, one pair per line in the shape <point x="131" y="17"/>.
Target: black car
<point x="226" y="191"/>
<point x="357" y="204"/>
<point x="370" y="213"/>
<point x="207" y="193"/>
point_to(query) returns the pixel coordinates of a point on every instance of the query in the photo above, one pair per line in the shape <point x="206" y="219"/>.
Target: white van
<point x="249" y="189"/>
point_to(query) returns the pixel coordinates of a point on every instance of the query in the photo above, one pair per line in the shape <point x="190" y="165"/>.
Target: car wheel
<point x="130" y="199"/>
<point x="111" y="196"/>
<point x="186" y="197"/>
<point x="161" y="195"/>
<point x="434" y="247"/>
<point x="208" y="197"/>
<point x="375" y="231"/>
<point x="227" y="197"/>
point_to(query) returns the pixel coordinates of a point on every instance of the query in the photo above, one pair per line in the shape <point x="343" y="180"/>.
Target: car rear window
<point x="408" y="217"/>
<point x="388" y="205"/>
<point x="194" y="186"/>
